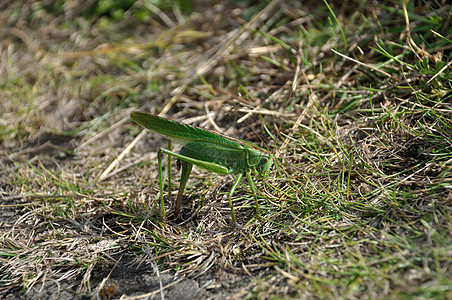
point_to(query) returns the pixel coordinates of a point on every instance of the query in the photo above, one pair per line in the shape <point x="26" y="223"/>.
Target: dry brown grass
<point x="359" y="203"/>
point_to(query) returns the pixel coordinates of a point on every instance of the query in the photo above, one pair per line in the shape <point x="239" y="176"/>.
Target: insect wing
<point x="182" y="133"/>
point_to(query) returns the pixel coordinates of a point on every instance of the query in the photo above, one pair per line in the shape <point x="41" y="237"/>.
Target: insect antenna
<point x="299" y="73"/>
<point x="258" y="135"/>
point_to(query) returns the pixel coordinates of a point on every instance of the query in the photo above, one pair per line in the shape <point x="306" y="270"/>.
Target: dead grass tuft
<point x="358" y="203"/>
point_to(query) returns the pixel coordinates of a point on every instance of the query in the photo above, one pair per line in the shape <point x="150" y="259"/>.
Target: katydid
<point x="209" y="150"/>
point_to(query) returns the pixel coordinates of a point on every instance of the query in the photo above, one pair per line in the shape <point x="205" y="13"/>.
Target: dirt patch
<point x="350" y="100"/>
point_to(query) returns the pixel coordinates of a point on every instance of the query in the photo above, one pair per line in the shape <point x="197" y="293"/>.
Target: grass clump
<point x="353" y="99"/>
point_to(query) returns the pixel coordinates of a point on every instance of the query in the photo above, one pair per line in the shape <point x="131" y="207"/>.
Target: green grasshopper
<point x="209" y="150"/>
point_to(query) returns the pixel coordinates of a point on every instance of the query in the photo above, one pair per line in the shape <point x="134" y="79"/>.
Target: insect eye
<point x="264" y="160"/>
